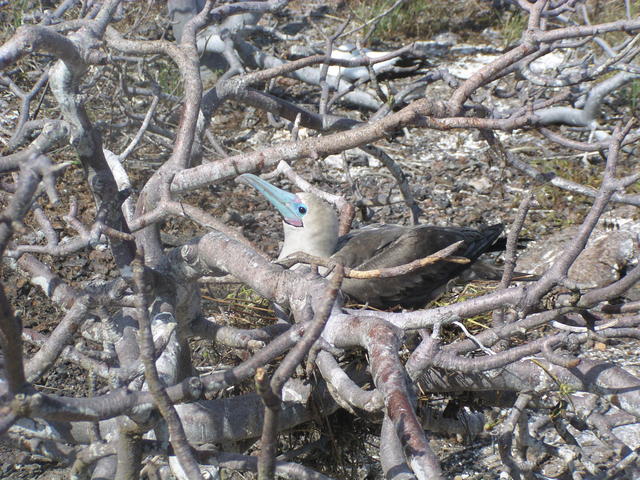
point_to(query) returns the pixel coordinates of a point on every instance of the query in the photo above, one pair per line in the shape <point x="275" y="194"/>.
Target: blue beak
<point x="288" y="204"/>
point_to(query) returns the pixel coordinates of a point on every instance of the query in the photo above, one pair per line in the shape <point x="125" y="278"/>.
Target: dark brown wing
<point x="393" y="245"/>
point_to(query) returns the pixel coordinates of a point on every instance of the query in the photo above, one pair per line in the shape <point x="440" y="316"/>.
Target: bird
<point x="311" y="226"/>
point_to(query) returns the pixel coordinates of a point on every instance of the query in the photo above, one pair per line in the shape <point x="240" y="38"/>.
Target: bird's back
<point x="393" y="245"/>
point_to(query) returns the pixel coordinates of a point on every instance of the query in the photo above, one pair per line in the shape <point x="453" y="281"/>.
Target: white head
<point x="310" y="224"/>
<point x="318" y="234"/>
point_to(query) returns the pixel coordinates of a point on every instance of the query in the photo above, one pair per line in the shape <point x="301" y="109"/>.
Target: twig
<point x="506" y="436"/>
<point x="441" y="255"/>
<point x="473" y="338"/>
<point x="400" y="177"/>
<point x="147" y="352"/>
<point x="143" y="128"/>
<point x="11" y="343"/>
<point x="271" y="393"/>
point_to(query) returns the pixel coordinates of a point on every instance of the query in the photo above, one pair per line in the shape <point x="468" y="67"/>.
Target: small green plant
<point x="168" y="77"/>
<point x="421" y="19"/>
<point x="513" y="26"/>
<point x="16" y="13"/>
<point x="394" y="21"/>
<point x="632" y="92"/>
<point x="609" y="11"/>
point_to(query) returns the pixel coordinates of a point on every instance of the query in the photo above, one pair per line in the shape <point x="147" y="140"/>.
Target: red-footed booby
<point x="311" y="226"/>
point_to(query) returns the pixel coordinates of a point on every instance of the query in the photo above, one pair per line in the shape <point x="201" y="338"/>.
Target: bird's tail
<point x="500" y="245"/>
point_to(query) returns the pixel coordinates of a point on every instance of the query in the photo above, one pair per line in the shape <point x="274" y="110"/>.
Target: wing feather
<point x="394" y="245"/>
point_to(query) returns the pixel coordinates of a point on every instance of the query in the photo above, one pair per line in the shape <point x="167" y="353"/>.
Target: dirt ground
<point x="454" y="181"/>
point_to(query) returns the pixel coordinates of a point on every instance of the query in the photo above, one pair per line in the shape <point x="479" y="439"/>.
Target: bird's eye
<point x="302" y="210"/>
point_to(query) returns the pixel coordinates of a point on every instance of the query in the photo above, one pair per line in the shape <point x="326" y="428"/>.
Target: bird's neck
<point x="319" y="241"/>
